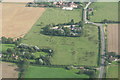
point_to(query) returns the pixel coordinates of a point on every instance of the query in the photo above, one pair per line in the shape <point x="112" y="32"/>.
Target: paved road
<point x="102" y="40"/>
<point x="102" y="52"/>
<point x="85" y="12"/>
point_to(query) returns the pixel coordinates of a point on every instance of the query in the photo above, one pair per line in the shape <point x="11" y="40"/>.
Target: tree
<point x="16" y="43"/>
<point x="67" y="31"/>
<point x="111" y="54"/>
<point x="23" y="65"/>
<point x="68" y="67"/>
<point x="80" y="72"/>
<point x="46" y="60"/>
<point x="9" y="50"/>
<point x="3" y="39"/>
<point x="27" y="55"/>
<point x="91" y="73"/>
<point x="72" y="22"/>
<point x="105" y="21"/>
<point x="9" y="41"/>
<point x="81" y="24"/>
<point x="46" y="29"/>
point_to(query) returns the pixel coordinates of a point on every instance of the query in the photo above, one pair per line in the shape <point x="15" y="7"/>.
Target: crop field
<point x="8" y="70"/>
<point x="112" y="70"/>
<point x="67" y="50"/>
<point x="17" y="19"/>
<point x="104" y="10"/>
<point x="47" y="72"/>
<point x="112" y="37"/>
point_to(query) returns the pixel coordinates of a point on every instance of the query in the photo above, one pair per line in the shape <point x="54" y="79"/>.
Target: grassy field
<point x="37" y="54"/>
<point x="104" y="10"/>
<point x="112" y="71"/>
<point x="6" y="46"/>
<point x="67" y="50"/>
<point x="46" y="72"/>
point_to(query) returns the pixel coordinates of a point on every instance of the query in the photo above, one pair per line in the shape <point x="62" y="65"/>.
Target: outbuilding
<point x="67" y="8"/>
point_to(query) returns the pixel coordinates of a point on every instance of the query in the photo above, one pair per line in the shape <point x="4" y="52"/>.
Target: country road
<point x="102" y="68"/>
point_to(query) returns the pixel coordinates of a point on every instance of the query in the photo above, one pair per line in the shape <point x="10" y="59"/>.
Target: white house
<point x="67" y="8"/>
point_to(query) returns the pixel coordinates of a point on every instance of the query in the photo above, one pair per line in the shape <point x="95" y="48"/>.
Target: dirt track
<point x="8" y="70"/>
<point x="112" y="38"/>
<point x="18" y="19"/>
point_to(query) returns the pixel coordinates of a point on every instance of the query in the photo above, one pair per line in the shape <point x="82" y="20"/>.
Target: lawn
<point x="112" y="71"/>
<point x="67" y="50"/>
<point x="104" y="10"/>
<point x="48" y="72"/>
<point x="6" y="46"/>
<point x="37" y="54"/>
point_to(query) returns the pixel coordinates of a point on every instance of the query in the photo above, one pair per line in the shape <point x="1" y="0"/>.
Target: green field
<point x="104" y="10"/>
<point x="47" y="72"/>
<point x="112" y="71"/>
<point x="6" y="46"/>
<point x="67" y="50"/>
<point x="37" y="54"/>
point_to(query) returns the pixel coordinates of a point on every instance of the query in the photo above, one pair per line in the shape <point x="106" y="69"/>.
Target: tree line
<point x="23" y="51"/>
<point x="73" y="29"/>
<point x="5" y="40"/>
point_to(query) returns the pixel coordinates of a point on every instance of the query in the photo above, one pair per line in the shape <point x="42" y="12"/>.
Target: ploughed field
<point x="112" y="37"/>
<point x="67" y="50"/>
<point x="17" y="19"/>
<point x="8" y="70"/>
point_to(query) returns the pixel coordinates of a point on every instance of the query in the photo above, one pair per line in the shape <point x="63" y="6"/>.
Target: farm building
<point x="73" y="5"/>
<point x="67" y="8"/>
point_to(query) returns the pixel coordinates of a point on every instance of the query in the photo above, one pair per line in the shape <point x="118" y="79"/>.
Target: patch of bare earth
<point x="8" y="70"/>
<point x="17" y="19"/>
<point x="112" y="37"/>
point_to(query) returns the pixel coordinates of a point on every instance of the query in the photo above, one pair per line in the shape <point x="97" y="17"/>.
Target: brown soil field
<point x="17" y="19"/>
<point x="112" y="37"/>
<point x="8" y="70"/>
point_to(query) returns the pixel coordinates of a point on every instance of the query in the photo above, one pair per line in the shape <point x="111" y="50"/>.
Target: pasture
<point x="67" y="50"/>
<point x="104" y="10"/>
<point x="48" y="72"/>
<point x="112" y="37"/>
<point x="17" y="19"/>
<point x="112" y="70"/>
